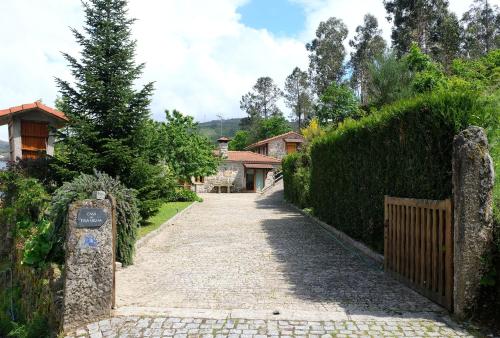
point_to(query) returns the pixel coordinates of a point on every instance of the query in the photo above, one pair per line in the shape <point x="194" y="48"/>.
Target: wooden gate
<point x="418" y="246"/>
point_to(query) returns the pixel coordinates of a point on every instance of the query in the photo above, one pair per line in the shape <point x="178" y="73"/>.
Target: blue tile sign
<point x="91" y="217"/>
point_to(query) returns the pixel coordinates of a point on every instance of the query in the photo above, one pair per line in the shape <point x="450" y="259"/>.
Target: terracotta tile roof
<point x="289" y="135"/>
<point x="4" y="113"/>
<point x="250" y="157"/>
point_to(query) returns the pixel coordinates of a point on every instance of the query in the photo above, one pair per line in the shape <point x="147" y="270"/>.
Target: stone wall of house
<point x="232" y="171"/>
<point x="277" y="148"/>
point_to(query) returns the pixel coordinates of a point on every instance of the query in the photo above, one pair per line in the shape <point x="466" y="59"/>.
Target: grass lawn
<point x="167" y="211"/>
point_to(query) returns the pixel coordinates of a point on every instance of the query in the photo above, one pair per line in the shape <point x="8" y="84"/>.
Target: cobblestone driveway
<point x="245" y="256"/>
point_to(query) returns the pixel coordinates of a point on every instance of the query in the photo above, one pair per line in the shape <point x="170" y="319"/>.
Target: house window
<point x="199" y="179"/>
<point x="291" y="148"/>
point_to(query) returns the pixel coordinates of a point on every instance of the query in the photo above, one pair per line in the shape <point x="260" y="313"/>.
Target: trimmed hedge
<point x="296" y="178"/>
<point x="404" y="150"/>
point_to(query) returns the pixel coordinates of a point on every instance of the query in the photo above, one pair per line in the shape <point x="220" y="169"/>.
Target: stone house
<point x="239" y="171"/>
<point x="278" y="146"/>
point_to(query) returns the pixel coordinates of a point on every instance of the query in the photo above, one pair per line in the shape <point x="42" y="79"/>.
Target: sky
<point x="202" y="55"/>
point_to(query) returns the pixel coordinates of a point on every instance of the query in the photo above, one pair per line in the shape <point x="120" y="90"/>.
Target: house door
<point x="259" y="179"/>
<point x="250" y="180"/>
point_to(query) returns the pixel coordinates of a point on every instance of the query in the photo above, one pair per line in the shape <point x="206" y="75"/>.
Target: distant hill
<point x="211" y="129"/>
<point x="4" y="148"/>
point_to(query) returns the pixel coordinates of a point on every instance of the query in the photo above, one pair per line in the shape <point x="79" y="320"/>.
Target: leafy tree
<point x="261" y="100"/>
<point x="312" y="131"/>
<point x="390" y="80"/>
<point x="182" y="148"/>
<point x="327" y="54"/>
<point x="240" y="140"/>
<point x="298" y="94"/>
<point x="426" y="74"/>
<point x="480" y="29"/>
<point x="367" y="44"/>
<point x="272" y="126"/>
<point x="419" y="21"/>
<point x="336" y="104"/>
<point x="447" y="34"/>
<point x="107" y="113"/>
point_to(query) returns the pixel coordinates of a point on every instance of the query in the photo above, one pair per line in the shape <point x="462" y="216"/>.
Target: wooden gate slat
<point x="440" y="253"/>
<point x="449" y="255"/>
<point x="418" y="244"/>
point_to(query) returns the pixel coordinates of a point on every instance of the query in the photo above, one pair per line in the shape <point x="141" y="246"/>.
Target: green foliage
<point x="298" y="95"/>
<point x="327" y="54"/>
<point x="81" y="188"/>
<point x="427" y="74"/>
<point x="367" y="44"/>
<point x="404" y="150"/>
<point x="25" y="199"/>
<point x="273" y="126"/>
<point x="240" y="140"/>
<point x="185" y="195"/>
<point x="480" y="29"/>
<point x="108" y="114"/>
<point x="178" y="144"/>
<point x="390" y="80"/>
<point x="296" y="178"/>
<point x="337" y="104"/>
<point x="39" y="245"/>
<point x="25" y="205"/>
<point x="261" y="101"/>
<point x="427" y="23"/>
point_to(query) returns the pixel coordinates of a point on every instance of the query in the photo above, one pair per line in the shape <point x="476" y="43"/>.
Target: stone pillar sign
<point x="89" y="270"/>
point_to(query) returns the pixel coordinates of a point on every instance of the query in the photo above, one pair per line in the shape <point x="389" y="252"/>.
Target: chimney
<point x="223" y="146"/>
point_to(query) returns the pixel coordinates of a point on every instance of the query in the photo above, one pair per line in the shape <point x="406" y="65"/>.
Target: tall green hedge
<point x="296" y="178"/>
<point x="404" y="150"/>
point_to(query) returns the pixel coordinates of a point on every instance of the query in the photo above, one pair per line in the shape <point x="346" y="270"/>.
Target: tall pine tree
<point x="327" y="54"/>
<point x="480" y="29"/>
<point x="108" y="115"/>
<point x="419" y="21"/>
<point x="368" y="44"/>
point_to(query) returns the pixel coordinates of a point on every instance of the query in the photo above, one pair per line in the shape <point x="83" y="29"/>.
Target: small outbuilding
<point x="32" y="129"/>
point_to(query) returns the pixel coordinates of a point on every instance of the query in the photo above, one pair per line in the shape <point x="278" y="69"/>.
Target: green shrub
<point x="184" y="195"/>
<point x="81" y="188"/>
<point x="296" y="178"/>
<point x="404" y="150"/>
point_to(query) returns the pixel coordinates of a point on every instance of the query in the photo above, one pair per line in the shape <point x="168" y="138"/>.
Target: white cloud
<point x="201" y="57"/>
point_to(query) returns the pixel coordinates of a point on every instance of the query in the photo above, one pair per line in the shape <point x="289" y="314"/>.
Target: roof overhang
<point x="258" y="166"/>
<point x="293" y="140"/>
<point x="56" y="116"/>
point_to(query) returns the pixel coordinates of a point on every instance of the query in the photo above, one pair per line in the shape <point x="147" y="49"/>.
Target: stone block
<point x="473" y="178"/>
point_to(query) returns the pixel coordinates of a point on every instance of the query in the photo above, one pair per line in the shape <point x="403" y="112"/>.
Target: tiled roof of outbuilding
<point x="289" y="135"/>
<point x="4" y="113"/>
<point x="250" y="157"/>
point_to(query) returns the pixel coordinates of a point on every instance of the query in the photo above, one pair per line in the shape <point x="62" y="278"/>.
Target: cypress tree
<point x="108" y="114"/>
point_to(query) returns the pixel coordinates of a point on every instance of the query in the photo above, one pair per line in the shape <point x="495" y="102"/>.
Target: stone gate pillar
<point x="473" y="178"/>
<point x="89" y="267"/>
